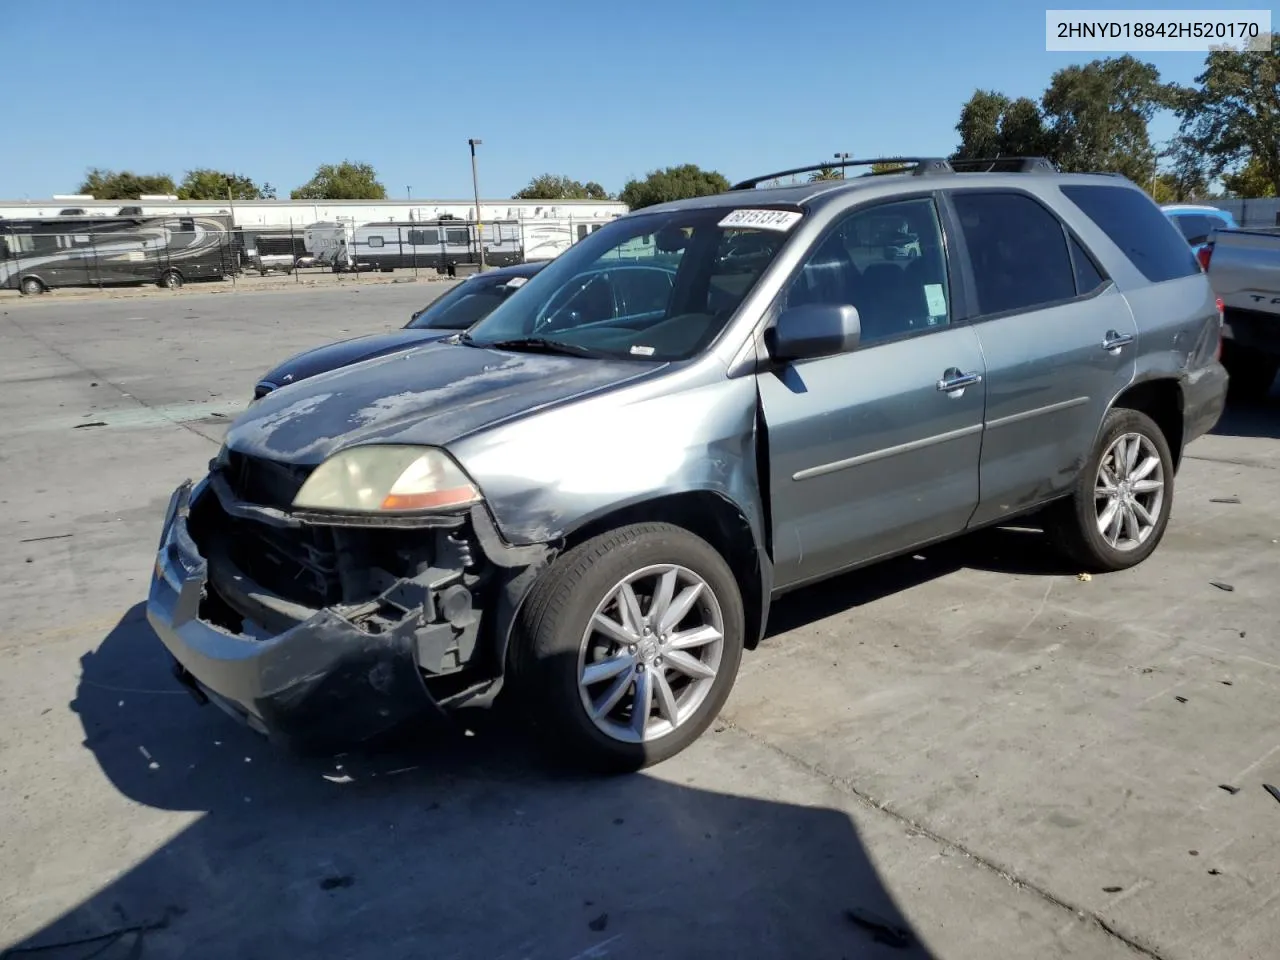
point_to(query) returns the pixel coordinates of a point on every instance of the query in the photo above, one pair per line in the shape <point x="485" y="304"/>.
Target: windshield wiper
<point x="543" y="345"/>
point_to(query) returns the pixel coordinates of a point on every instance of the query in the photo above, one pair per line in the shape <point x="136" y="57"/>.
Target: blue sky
<point x="598" y="91"/>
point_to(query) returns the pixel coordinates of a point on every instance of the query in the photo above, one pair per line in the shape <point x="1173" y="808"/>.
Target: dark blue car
<point x="465" y="304"/>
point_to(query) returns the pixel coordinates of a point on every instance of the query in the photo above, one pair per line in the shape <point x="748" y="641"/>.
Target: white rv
<point x="442" y="244"/>
<point x="328" y="241"/>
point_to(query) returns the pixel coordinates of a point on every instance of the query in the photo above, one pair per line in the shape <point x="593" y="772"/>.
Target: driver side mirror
<point x="815" y="330"/>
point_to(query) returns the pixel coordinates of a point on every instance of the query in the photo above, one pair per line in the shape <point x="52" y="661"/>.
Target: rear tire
<point x="1119" y="508"/>
<point x="649" y="613"/>
<point x="1252" y="373"/>
<point x="31" y="286"/>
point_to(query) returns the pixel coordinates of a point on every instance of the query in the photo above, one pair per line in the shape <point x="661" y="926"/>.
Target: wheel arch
<point x="1160" y="398"/>
<point x="705" y="513"/>
<point x="714" y="517"/>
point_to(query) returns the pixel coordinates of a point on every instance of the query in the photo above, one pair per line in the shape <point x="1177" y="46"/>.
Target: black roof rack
<point x="917" y="166"/>
<point x="1003" y="165"/>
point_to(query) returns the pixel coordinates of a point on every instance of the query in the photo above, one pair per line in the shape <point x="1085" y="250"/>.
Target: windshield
<point x="656" y="286"/>
<point x="466" y="303"/>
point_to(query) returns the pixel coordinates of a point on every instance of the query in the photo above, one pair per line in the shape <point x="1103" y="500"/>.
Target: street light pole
<point x="843" y="158"/>
<point x="475" y="186"/>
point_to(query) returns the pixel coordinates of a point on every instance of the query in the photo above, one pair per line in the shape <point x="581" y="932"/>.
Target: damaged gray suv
<point x="591" y="497"/>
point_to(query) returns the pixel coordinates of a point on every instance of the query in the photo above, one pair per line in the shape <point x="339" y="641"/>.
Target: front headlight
<point x="387" y="479"/>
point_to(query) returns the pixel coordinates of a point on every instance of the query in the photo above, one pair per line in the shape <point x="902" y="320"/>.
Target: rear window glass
<point x="1196" y="227"/>
<point x="1139" y="228"/>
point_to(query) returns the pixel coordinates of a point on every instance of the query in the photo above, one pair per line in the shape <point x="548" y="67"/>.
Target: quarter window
<point x="1018" y="250"/>
<point x="888" y="261"/>
<point x="1138" y="227"/>
<point x="1088" y="277"/>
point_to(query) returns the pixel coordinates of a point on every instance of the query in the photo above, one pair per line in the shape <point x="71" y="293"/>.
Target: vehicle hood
<point x="345" y="352"/>
<point x="431" y="394"/>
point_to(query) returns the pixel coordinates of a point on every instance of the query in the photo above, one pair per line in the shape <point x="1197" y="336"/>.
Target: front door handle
<point x="1114" y="341"/>
<point x="953" y="380"/>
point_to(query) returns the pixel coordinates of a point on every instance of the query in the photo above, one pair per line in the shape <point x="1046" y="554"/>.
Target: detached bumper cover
<point x="321" y="682"/>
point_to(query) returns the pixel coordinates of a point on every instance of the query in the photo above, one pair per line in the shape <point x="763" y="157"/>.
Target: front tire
<point x="633" y="641"/>
<point x="171" y="280"/>
<point x="31" y="286"/>
<point x="1119" y="510"/>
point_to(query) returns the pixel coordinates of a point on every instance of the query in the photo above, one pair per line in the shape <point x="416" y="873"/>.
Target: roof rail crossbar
<point x="917" y="165"/>
<point x="1004" y="165"/>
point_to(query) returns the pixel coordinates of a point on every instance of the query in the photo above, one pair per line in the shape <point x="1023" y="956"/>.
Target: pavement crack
<point x="845" y="785"/>
<point x="1233" y="461"/>
<point x="94" y="374"/>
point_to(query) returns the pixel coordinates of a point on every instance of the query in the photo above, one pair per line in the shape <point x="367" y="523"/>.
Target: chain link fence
<point x="39" y="255"/>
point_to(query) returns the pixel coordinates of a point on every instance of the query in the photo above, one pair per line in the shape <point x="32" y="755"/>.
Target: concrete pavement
<point x="969" y="753"/>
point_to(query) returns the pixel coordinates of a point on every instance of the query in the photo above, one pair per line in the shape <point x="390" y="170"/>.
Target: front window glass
<point x="466" y="303"/>
<point x="698" y="266"/>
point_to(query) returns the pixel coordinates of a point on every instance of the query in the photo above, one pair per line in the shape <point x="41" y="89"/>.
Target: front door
<point x="1059" y="341"/>
<point x="875" y="451"/>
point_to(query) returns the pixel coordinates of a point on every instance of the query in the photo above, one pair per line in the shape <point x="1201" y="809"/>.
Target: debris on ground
<point x="1226" y="683"/>
<point x="1224" y="499"/>
<point x="1112" y="889"/>
<point x="1084" y="577"/>
<point x="1181" y="699"/>
<point x="1229" y="788"/>
<point x="599" y="923"/>
<point x="335" y="882"/>
<point x="1221" y="586"/>
<point x="1215" y="872"/>
<point x="91" y="423"/>
<point x="882" y="931"/>
<point x="56" y="536"/>
<point x="1272" y="790"/>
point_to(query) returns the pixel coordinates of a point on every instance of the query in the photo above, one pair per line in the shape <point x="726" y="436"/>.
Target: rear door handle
<point x="1114" y="341"/>
<point x="953" y="379"/>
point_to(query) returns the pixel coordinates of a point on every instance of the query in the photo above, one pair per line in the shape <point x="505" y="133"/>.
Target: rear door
<point x="1058" y="338"/>
<point x="874" y="451"/>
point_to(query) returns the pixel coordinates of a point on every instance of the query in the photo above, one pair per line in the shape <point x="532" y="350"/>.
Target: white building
<point x="281" y="215"/>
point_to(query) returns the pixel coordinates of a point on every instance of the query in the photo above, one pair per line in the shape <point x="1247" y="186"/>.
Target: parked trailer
<point x="328" y="241"/>
<point x="443" y="244"/>
<point x="42" y="254"/>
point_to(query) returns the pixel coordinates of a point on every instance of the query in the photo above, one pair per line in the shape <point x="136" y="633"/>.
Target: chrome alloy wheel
<point x="651" y="653"/>
<point x="1129" y="491"/>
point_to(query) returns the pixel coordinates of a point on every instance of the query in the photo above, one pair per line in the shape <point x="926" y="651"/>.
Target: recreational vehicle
<point x="441" y="244"/>
<point x="328" y="241"/>
<point x="40" y="254"/>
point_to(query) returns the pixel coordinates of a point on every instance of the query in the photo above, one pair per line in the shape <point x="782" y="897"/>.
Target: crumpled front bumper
<point x="322" y="682"/>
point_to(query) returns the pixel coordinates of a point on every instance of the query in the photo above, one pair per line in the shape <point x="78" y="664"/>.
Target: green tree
<point x="672" y="183"/>
<point x="552" y="186"/>
<point x="1250" y="180"/>
<point x="826" y="173"/>
<point x="1022" y="131"/>
<point x="890" y="167"/>
<point x="979" y="125"/>
<point x="1233" y="114"/>
<point x="342" y="181"/>
<point x="1187" y="175"/>
<point x="206" y="184"/>
<point x="1097" y="116"/>
<point x="124" y="184"/>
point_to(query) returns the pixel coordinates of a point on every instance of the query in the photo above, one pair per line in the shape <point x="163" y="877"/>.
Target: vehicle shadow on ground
<point x="457" y="846"/>
<point x="1244" y="419"/>
<point x="1021" y="550"/>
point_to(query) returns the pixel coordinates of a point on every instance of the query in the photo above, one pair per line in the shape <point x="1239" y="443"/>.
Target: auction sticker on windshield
<point x="781" y="220"/>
